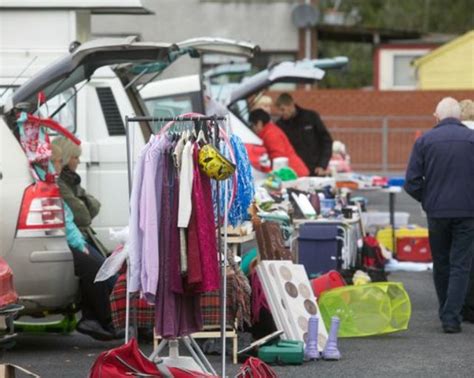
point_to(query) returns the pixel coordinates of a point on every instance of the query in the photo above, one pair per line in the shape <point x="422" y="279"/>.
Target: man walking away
<point x="440" y="175"/>
<point x="307" y="133"/>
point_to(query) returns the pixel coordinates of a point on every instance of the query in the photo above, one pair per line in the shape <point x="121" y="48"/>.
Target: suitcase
<point x="415" y="249"/>
<point x="384" y="236"/>
<point x="283" y="351"/>
<point x="318" y="249"/>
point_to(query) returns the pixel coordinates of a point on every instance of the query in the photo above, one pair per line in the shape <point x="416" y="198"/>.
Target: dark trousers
<point x="452" y="247"/>
<point x="95" y="303"/>
<point x="468" y="310"/>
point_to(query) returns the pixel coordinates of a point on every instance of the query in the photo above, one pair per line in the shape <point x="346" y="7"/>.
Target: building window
<point x="395" y="71"/>
<point x="403" y="71"/>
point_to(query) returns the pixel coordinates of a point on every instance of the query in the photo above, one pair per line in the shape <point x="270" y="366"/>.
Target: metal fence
<point x="378" y="143"/>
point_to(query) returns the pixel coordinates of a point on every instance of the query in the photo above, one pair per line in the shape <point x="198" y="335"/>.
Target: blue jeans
<point x="452" y="248"/>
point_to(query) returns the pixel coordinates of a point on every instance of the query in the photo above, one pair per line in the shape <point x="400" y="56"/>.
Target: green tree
<point x="427" y="16"/>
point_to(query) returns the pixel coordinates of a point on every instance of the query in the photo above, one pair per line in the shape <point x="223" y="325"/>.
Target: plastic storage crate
<point x="384" y="236"/>
<point x="415" y="249"/>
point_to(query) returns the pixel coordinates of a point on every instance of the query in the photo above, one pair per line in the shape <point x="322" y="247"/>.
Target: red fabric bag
<point x="128" y="361"/>
<point x="255" y="368"/>
<point x="328" y="281"/>
<point x="8" y="294"/>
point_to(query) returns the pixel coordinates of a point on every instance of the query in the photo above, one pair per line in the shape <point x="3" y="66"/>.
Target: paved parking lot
<point x="422" y="351"/>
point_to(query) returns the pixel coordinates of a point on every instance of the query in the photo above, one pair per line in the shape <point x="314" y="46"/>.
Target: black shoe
<point x="117" y="334"/>
<point x="451" y="328"/>
<point x="93" y="329"/>
<point x="146" y="335"/>
<point x="120" y="334"/>
<point x="467" y="315"/>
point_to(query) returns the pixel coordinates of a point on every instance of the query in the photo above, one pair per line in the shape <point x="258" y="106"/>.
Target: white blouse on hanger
<point x="185" y="185"/>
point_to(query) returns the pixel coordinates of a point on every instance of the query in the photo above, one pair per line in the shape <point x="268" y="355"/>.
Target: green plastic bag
<point x="286" y="174"/>
<point x="367" y="310"/>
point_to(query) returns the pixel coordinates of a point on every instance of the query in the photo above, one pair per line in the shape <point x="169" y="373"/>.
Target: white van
<point x="100" y="79"/>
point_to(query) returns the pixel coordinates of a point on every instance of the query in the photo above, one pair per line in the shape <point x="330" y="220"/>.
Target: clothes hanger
<point x="201" y="137"/>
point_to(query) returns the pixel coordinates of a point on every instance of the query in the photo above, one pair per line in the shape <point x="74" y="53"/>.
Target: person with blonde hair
<point x="263" y="102"/>
<point x="79" y="209"/>
<point x="440" y="175"/>
<point x="467" y="113"/>
<point x="84" y="206"/>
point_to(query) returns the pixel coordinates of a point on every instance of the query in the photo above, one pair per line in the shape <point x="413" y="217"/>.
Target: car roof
<point x="81" y="64"/>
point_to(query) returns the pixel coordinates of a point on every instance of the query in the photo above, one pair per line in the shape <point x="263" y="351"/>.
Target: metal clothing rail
<point x="175" y="119"/>
<point x="198" y="356"/>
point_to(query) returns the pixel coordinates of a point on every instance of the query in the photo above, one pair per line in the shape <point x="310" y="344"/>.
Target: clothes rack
<point x="197" y="355"/>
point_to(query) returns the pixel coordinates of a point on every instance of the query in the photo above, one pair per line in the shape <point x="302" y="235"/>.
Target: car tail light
<point x="42" y="211"/>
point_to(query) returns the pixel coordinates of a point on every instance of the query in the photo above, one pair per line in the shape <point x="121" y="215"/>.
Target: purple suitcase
<point x="318" y="248"/>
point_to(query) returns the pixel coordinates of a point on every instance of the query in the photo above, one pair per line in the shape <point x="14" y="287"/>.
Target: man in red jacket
<point x="275" y="141"/>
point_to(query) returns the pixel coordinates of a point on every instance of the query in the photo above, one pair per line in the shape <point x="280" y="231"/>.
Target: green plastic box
<point x="284" y="351"/>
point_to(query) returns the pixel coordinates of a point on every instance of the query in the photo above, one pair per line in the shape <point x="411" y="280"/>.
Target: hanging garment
<point x="224" y="187"/>
<point x="245" y="184"/>
<point x="175" y="262"/>
<point x="185" y="190"/>
<point x="150" y="214"/>
<point x="206" y="227"/>
<point x="135" y="232"/>
<point x="194" y="276"/>
<point x="176" y="315"/>
<point x="185" y="203"/>
<point x="34" y="140"/>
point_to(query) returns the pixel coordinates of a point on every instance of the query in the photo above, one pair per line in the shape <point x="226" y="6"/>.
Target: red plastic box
<point x="328" y="281"/>
<point x="415" y="249"/>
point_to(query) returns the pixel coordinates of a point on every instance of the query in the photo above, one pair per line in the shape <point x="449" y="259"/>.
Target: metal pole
<point x="392" y="218"/>
<point x="200" y="354"/>
<point x="385" y="145"/>
<point x="221" y="261"/>
<point x="129" y="168"/>
<point x="176" y="119"/>
<point x="307" y="50"/>
<point x="224" y="279"/>
<point x="129" y="165"/>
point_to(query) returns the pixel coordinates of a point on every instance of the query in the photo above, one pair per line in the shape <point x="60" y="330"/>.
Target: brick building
<point x="378" y="127"/>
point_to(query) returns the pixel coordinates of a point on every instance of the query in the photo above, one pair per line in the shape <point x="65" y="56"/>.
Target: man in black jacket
<point x="440" y="175"/>
<point x="307" y="134"/>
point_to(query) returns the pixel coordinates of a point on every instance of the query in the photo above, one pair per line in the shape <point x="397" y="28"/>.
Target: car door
<point x="285" y="72"/>
<point x="97" y="129"/>
<point x="299" y="72"/>
<point x="239" y="107"/>
<point x="44" y="274"/>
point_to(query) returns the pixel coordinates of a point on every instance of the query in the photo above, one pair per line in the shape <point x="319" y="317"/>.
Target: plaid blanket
<point x="211" y="309"/>
<point x="145" y="313"/>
